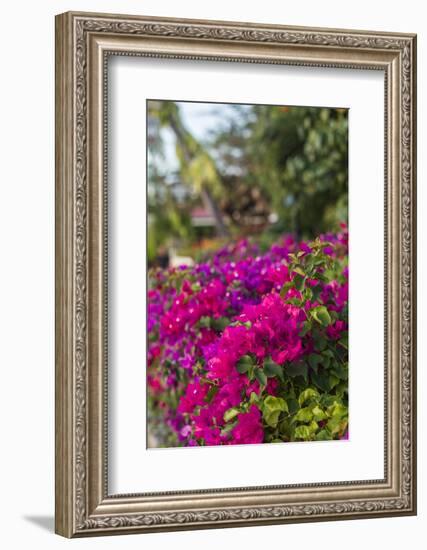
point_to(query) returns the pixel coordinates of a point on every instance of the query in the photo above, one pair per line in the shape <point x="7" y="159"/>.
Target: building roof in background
<point x="202" y="217"/>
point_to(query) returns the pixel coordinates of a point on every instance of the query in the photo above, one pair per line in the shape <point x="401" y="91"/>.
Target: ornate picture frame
<point x="84" y="42"/>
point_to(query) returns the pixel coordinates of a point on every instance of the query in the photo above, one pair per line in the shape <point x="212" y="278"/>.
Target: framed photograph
<point x="235" y="274"/>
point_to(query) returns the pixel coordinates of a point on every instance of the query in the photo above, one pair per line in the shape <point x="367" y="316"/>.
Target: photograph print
<point x="247" y="281"/>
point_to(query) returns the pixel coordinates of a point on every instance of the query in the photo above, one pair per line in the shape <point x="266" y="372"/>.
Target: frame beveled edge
<point x="82" y="505"/>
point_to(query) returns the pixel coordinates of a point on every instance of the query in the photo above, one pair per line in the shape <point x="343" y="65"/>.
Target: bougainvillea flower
<point x="233" y="339"/>
<point x="249" y="427"/>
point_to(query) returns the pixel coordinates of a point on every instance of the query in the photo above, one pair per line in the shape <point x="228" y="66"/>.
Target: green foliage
<point x="244" y="364"/>
<point x="316" y="387"/>
<point x="261" y="377"/>
<point x="272" y="407"/>
<point x="271" y="370"/>
<point x="321" y="315"/>
<point x="300" y="157"/>
<point x="230" y="414"/>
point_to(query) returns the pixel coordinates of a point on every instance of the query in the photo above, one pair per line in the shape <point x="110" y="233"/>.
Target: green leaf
<point x="306" y="327"/>
<point x="336" y="425"/>
<point x="314" y="360"/>
<point x="340" y="371"/>
<point x="272" y="369"/>
<point x="341" y="389"/>
<point x="320" y="342"/>
<point x="253" y="398"/>
<point x="299" y="271"/>
<point x="302" y="432"/>
<point x="272" y="418"/>
<point x="220" y="324"/>
<point x="244" y="364"/>
<point x="328" y="274"/>
<point x="324" y="380"/>
<point x="338" y="410"/>
<point x="285" y="289"/>
<point x="334" y="315"/>
<point x="272" y="403"/>
<point x="304" y="415"/>
<point x="285" y="427"/>
<point x="292" y="405"/>
<point x="316" y="291"/>
<point x="313" y="426"/>
<point x="261" y="377"/>
<point x="326" y="361"/>
<point x="243" y="367"/>
<point x="309" y="393"/>
<point x="342" y="353"/>
<point x="323" y="435"/>
<point x="205" y="322"/>
<point x="318" y="413"/>
<point x="307" y="295"/>
<point x="228" y="427"/>
<point x="272" y="407"/>
<point x="299" y="281"/>
<point x="321" y="315"/>
<point x="297" y="368"/>
<point x="328" y="401"/>
<point x="333" y="381"/>
<point x="231" y="413"/>
<point x="344" y="340"/>
<point x="211" y="393"/>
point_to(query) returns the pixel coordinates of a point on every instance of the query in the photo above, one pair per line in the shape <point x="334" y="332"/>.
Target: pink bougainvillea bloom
<point x="334" y="331"/>
<point x="249" y="427"/>
<point x="239" y="304"/>
<point x="194" y="396"/>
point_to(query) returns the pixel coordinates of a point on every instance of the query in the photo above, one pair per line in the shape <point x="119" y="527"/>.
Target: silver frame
<point x="83" y="43"/>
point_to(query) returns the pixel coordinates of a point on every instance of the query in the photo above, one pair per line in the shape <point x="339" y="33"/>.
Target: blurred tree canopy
<point x="261" y="169"/>
<point x="197" y="168"/>
<point x="299" y="156"/>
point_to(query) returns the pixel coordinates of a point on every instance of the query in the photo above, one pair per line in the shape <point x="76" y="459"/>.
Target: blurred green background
<point x="218" y="172"/>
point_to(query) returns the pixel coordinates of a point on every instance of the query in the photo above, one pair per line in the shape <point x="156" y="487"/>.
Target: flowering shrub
<point x="249" y="347"/>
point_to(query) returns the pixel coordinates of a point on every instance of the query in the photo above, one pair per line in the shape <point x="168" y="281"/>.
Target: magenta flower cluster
<point x="250" y="347"/>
